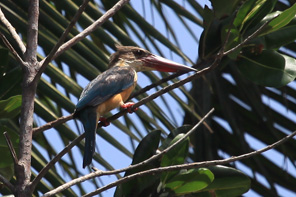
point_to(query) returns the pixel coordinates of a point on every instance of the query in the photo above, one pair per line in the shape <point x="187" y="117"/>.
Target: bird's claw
<point x="104" y="122"/>
<point x="129" y="107"/>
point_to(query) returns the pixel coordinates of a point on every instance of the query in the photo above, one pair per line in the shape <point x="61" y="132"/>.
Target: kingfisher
<point x="113" y="87"/>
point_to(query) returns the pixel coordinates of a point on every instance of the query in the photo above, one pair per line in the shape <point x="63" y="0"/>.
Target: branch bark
<point x="23" y="169"/>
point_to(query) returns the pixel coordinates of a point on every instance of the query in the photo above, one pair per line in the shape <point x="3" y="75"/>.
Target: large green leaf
<point x="228" y="182"/>
<point x="268" y="68"/>
<point x="281" y="20"/>
<point x="190" y="181"/>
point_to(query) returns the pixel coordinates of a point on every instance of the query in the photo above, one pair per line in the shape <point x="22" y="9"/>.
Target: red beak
<point x="161" y="64"/>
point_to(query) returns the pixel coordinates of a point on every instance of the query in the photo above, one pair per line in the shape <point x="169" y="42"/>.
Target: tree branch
<point x="7" y="183"/>
<point x="91" y="28"/>
<point x="52" y="124"/>
<point x="101" y="173"/>
<point x="12" y="31"/>
<point x="32" y="31"/>
<point x="10" y="146"/>
<point x="190" y="165"/>
<point x="13" y="51"/>
<point x="250" y="37"/>
<point x="49" y="58"/>
<point x="23" y="169"/>
<point x="54" y="160"/>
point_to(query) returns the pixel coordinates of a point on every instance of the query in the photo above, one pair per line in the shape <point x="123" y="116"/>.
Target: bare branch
<point x="52" y="124"/>
<point x="91" y="28"/>
<point x="54" y="160"/>
<point x="23" y="169"/>
<point x="48" y="59"/>
<point x="32" y="31"/>
<point x="6" y="183"/>
<point x="190" y="165"/>
<point x="101" y="173"/>
<point x="10" y="146"/>
<point x="13" y="51"/>
<point x="250" y="37"/>
<point x="12" y="31"/>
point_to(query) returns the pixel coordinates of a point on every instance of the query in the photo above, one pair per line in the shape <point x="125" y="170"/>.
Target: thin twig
<point x="10" y="146"/>
<point x="49" y="58"/>
<point x="247" y="39"/>
<point x="54" y="160"/>
<point x="12" y="50"/>
<point x="6" y="183"/>
<point x="190" y="165"/>
<point x="52" y="124"/>
<point x="12" y="31"/>
<point x="91" y="28"/>
<point x="101" y="173"/>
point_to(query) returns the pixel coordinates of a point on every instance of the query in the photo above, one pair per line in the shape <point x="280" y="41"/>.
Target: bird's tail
<point x="88" y="117"/>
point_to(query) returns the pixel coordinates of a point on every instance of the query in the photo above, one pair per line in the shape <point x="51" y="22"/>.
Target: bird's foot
<point x="129" y="107"/>
<point x="104" y="122"/>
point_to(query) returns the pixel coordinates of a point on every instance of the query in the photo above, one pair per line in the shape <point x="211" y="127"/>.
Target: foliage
<point x="262" y="69"/>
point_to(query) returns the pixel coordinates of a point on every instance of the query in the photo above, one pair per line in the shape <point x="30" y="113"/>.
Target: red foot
<point x="104" y="122"/>
<point x="129" y="106"/>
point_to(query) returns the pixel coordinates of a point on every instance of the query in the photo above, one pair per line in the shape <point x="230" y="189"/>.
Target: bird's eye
<point x="139" y="52"/>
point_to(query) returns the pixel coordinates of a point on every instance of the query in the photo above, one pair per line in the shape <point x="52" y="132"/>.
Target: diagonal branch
<point x="101" y="173"/>
<point x="12" y="31"/>
<point x="6" y="183"/>
<point x="48" y="59"/>
<point x="13" y="51"/>
<point x="91" y="28"/>
<point x="53" y="123"/>
<point x="54" y="160"/>
<point x="10" y="146"/>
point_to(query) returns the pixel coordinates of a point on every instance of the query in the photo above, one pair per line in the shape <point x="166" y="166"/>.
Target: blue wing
<point x="106" y="85"/>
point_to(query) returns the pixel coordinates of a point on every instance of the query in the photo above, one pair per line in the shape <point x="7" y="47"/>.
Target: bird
<point x="113" y="87"/>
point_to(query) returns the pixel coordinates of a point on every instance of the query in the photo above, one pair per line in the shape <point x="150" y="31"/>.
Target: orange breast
<point x="116" y="100"/>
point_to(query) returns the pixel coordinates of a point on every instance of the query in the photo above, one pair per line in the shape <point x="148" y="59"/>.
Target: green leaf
<point x="242" y="12"/>
<point x="11" y="107"/>
<point x="281" y="20"/>
<point x="175" y="156"/>
<point x="147" y="147"/>
<point x="269" y="68"/>
<point x="190" y="181"/>
<point x="280" y="37"/>
<point x="259" y="10"/>
<point x="228" y="182"/>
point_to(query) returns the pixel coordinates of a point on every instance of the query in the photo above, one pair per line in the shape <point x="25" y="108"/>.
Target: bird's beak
<point x="161" y="64"/>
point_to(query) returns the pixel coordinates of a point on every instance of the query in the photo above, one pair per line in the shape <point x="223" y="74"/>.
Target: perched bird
<point x="114" y="86"/>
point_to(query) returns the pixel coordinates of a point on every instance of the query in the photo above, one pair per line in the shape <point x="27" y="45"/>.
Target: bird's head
<point x="143" y="60"/>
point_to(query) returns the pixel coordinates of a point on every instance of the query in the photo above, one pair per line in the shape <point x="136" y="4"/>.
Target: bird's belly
<point x="115" y="101"/>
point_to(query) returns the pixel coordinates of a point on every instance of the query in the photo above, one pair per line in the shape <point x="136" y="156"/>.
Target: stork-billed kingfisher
<point x="114" y="86"/>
